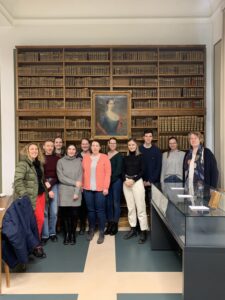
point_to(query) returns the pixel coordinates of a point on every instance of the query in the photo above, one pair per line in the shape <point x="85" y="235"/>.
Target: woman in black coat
<point x="200" y="164"/>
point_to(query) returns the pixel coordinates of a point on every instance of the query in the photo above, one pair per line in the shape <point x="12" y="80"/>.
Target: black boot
<point x="131" y="233"/>
<point x="73" y="239"/>
<point x="73" y="221"/>
<point x="82" y="229"/>
<point x="39" y="252"/>
<point x="143" y="237"/>
<point x="66" y="240"/>
<point x="90" y="234"/>
<point x="114" y="229"/>
<point x="109" y="228"/>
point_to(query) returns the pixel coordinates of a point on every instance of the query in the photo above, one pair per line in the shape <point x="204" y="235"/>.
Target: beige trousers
<point x="135" y="198"/>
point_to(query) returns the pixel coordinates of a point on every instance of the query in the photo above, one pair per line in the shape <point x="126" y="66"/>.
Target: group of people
<point x="89" y="184"/>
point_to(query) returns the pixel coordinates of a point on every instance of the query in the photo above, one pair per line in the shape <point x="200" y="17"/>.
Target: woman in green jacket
<point x="29" y="180"/>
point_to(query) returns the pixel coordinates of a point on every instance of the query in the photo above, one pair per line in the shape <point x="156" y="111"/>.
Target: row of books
<point x="136" y="104"/>
<point x="87" y="81"/>
<point x="42" y="70"/>
<point x="141" y="104"/>
<point x="194" y="55"/>
<point x="40" y="92"/>
<point x="181" y="103"/>
<point x="78" y="123"/>
<point x="182" y="140"/>
<point x="36" y="56"/>
<point x="144" y="122"/>
<point x="181" y="81"/>
<point x="40" y="104"/>
<point x="181" y="92"/>
<point x="138" y="81"/>
<point x="184" y="123"/>
<point x="96" y="70"/>
<point x="86" y="55"/>
<point x="183" y="69"/>
<point x="41" y="123"/>
<point x="135" y="70"/>
<point x="101" y="70"/>
<point x="40" y="81"/>
<point x="85" y="92"/>
<point x="105" y="81"/>
<point x="144" y="93"/>
<point x="38" y="136"/>
<point x="77" y="104"/>
<point x="82" y="55"/>
<point x="135" y="55"/>
<point x="78" y="134"/>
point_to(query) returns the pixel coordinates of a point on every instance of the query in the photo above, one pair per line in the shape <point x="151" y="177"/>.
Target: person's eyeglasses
<point x="112" y="143"/>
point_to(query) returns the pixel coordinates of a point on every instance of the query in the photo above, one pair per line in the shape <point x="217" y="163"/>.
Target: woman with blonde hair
<point x="134" y="191"/>
<point x="29" y="181"/>
<point x="199" y="163"/>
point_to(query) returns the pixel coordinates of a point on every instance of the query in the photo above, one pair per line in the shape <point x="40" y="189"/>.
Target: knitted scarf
<point x="198" y="165"/>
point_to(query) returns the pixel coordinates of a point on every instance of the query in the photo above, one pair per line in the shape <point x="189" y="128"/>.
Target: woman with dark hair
<point x="84" y="150"/>
<point x="172" y="162"/>
<point x="59" y="148"/>
<point x="199" y="163"/>
<point x="115" y="189"/>
<point x="29" y="180"/>
<point x="134" y="191"/>
<point x="110" y="122"/>
<point x="96" y="181"/>
<point x="69" y="171"/>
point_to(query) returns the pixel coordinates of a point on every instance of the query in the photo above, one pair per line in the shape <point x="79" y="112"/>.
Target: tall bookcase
<point x="54" y="86"/>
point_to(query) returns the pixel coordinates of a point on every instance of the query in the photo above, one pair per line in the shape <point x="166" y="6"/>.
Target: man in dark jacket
<point x="152" y="159"/>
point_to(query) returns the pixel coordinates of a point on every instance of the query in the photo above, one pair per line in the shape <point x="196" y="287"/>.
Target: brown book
<point x="214" y="199"/>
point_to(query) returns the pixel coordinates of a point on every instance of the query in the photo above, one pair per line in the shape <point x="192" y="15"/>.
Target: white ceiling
<point x="14" y="12"/>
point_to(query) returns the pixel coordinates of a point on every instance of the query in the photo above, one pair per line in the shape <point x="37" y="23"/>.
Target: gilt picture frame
<point x="111" y="114"/>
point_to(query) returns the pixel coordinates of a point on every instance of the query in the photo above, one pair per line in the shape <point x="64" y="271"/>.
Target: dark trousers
<point x="69" y="215"/>
<point x="83" y="213"/>
<point x="95" y="202"/>
<point x="113" y="201"/>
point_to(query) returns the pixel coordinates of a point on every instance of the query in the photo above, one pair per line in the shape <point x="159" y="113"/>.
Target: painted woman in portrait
<point x="109" y="122"/>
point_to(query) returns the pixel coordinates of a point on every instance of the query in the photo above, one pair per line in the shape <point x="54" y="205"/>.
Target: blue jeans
<point x="95" y="202"/>
<point x="113" y="201"/>
<point x="51" y="211"/>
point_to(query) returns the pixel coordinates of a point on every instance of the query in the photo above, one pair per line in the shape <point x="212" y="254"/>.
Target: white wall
<point x="98" y="32"/>
<point x="217" y="25"/>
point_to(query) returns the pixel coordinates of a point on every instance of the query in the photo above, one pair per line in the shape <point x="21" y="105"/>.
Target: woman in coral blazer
<point x="96" y="181"/>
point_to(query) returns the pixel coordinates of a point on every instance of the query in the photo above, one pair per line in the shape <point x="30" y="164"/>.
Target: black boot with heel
<point x="66" y="226"/>
<point x="142" y="237"/>
<point x="131" y="233"/>
<point x="114" y="228"/>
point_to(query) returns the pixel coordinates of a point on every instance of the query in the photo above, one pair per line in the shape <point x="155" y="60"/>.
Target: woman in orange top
<point x="96" y="181"/>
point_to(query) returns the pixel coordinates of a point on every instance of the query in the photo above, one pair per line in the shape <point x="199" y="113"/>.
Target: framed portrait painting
<point x="111" y="114"/>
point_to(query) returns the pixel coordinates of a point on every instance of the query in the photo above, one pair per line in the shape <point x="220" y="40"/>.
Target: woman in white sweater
<point x="172" y="163"/>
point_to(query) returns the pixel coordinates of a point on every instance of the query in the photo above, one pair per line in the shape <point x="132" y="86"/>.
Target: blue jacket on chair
<point x="19" y="232"/>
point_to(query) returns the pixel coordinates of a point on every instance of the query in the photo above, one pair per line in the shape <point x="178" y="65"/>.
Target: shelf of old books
<point x="54" y="87"/>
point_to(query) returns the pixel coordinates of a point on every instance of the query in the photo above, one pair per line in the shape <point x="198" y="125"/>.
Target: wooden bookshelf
<point x="54" y="86"/>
